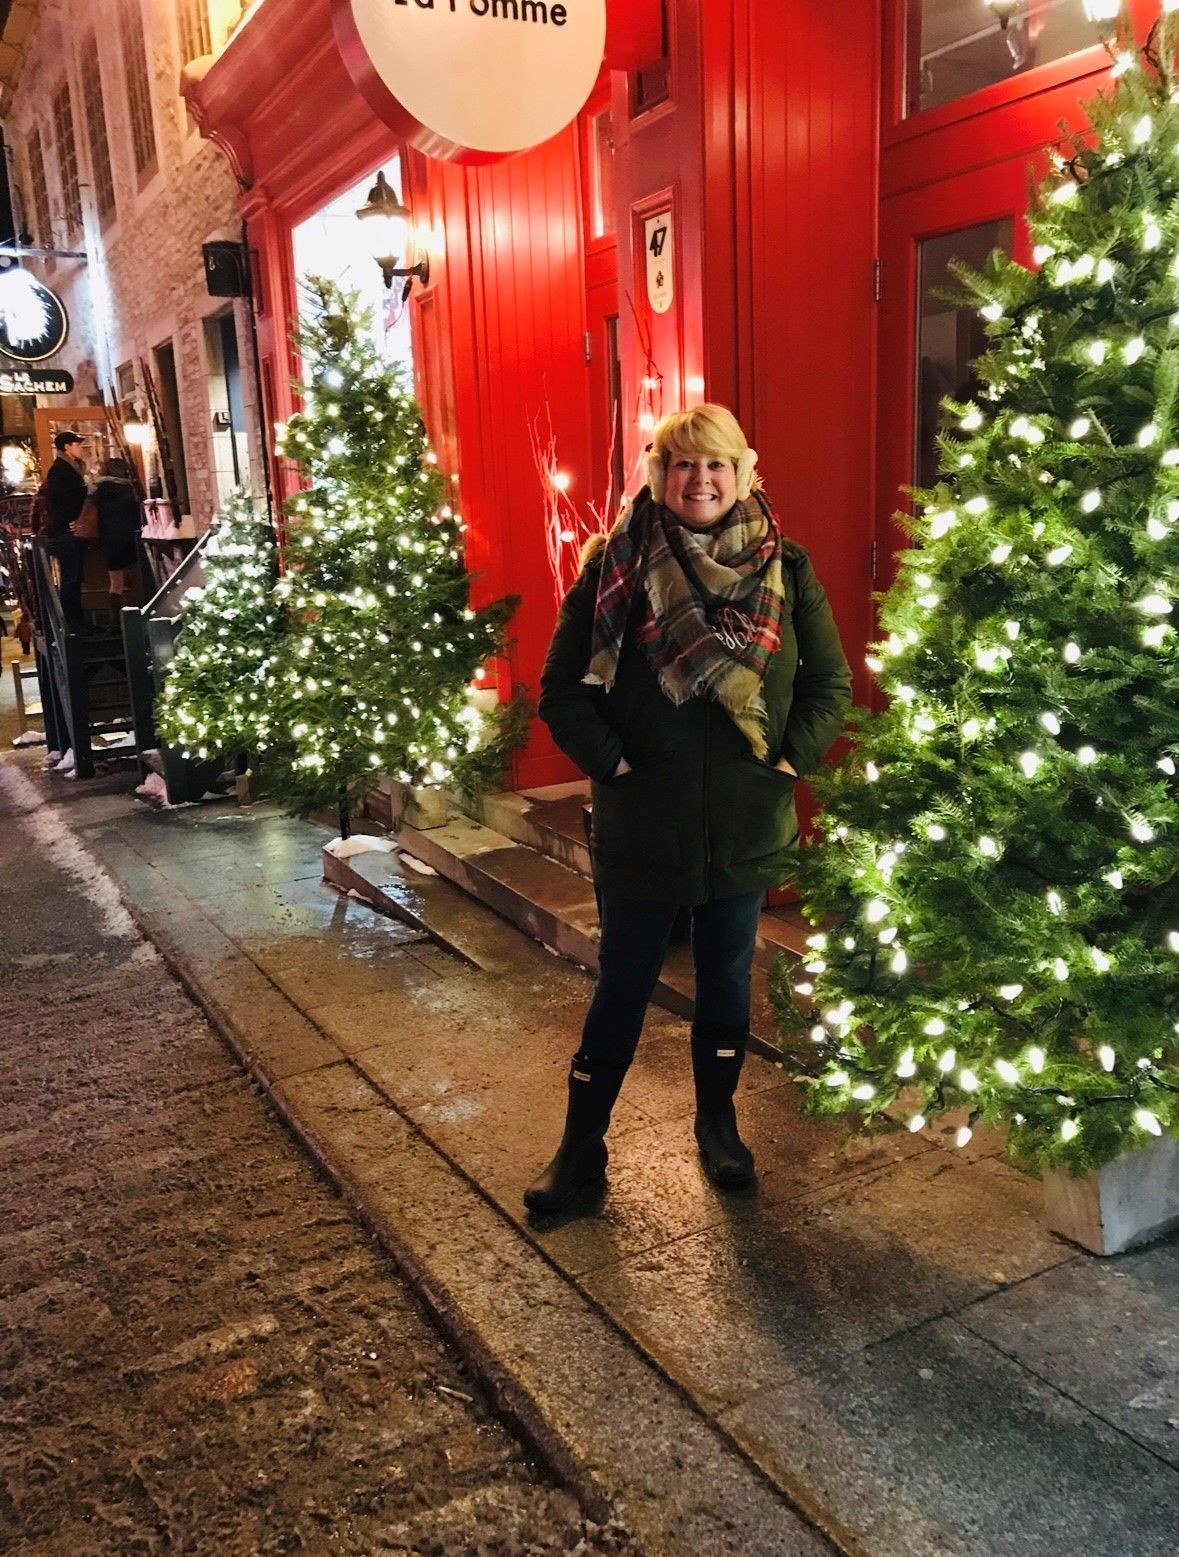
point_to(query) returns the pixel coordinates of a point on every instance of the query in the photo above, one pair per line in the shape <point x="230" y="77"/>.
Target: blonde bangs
<point x="704" y="432"/>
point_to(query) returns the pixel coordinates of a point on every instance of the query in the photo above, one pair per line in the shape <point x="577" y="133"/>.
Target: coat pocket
<point x="636" y="820"/>
<point x="761" y="820"/>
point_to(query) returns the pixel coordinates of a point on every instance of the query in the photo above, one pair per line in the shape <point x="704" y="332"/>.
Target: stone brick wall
<point x="143" y="285"/>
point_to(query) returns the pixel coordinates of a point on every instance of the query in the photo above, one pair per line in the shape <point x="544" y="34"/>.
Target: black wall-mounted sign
<point x="33" y="320"/>
<point x="35" y="381"/>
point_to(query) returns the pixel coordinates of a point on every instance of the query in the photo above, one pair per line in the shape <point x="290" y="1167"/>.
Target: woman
<point x="120" y="517"/>
<point x="694" y="674"/>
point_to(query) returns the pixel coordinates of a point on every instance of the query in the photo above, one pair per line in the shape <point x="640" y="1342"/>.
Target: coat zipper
<point x="707" y="815"/>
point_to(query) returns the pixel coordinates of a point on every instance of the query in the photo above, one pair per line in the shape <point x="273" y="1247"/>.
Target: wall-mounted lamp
<point x="1004" y="10"/>
<point x="387" y="224"/>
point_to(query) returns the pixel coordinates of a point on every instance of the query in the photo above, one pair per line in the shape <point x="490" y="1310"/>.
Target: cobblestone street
<point x="200" y="1349"/>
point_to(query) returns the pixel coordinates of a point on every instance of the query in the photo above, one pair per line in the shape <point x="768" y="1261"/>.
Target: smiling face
<point x="701" y="488"/>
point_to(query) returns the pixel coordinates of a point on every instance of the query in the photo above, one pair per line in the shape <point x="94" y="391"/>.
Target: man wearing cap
<point x="65" y="492"/>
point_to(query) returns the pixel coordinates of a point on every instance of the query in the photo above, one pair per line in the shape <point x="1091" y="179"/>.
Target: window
<point x="192" y="20"/>
<point x="39" y="192"/>
<point x="100" y="152"/>
<point x="143" y="135"/>
<point x="652" y="84"/>
<point x="956" y="47"/>
<point x="601" y="150"/>
<point x="67" y="157"/>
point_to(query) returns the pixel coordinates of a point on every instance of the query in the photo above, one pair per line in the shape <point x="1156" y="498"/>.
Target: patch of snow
<point x="30" y="738"/>
<point x="154" y="790"/>
<point x="419" y="865"/>
<point x="359" y="843"/>
<point x="63" y="849"/>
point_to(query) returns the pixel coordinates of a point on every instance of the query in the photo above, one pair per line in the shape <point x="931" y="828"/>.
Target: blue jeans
<point x="634" y="939"/>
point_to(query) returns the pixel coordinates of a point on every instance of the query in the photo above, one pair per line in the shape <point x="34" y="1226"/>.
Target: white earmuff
<point x="746" y="466"/>
<point x="656" y="476"/>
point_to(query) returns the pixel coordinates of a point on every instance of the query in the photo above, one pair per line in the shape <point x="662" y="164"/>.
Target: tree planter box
<point x="1128" y="1202"/>
<point x="424" y="807"/>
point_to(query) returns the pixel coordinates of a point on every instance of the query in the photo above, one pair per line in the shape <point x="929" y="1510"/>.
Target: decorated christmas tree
<point x="382" y="645"/>
<point x="998" y="890"/>
<point x="215" y="699"/>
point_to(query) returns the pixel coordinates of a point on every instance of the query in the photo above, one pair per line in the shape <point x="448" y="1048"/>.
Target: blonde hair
<point x="704" y="431"/>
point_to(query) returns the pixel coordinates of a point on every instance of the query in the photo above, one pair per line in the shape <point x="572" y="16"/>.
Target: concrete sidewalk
<point x="880" y="1351"/>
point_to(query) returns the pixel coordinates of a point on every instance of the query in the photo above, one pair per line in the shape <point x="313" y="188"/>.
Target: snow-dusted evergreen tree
<point x="999" y="885"/>
<point x="382" y="644"/>
<point x="214" y="700"/>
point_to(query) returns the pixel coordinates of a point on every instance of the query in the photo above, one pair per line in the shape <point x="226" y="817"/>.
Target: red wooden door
<point x="926" y="344"/>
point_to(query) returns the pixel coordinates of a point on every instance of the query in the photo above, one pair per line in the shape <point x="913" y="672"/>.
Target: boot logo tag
<point x="726" y="1054"/>
<point x="581" y="1075"/>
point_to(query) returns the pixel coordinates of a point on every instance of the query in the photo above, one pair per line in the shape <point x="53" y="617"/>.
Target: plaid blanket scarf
<point x="710" y="617"/>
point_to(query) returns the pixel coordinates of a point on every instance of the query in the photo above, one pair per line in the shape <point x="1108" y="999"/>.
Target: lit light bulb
<point x="968" y="1081"/>
<point x="934" y="1028"/>
<point x="1011" y="991"/>
<point x="906" y="1065"/>
<point x="1036" y="1059"/>
<point x="1059" y="554"/>
<point x="1148" y="1121"/>
<point x="1086" y="756"/>
<point x="1072" y="653"/>
<point x="1069" y="1129"/>
<point x="964" y="1136"/>
<point x="1080" y="427"/>
<point x="947" y="1061"/>
<point x="1007" y="1072"/>
<point x="1107" y="1057"/>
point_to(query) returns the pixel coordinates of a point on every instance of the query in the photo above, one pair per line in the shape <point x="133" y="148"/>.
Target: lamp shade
<point x="386" y="224"/>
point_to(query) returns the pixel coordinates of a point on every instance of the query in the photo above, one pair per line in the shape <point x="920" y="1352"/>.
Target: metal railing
<point x="150" y="634"/>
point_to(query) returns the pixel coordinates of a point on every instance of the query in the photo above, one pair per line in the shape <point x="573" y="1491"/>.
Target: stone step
<point x="547" y="900"/>
<point x="549" y="820"/>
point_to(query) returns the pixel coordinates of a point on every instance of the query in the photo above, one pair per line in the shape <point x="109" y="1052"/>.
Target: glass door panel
<point x="926" y="344"/>
<point x="949" y="337"/>
<point x="955" y="47"/>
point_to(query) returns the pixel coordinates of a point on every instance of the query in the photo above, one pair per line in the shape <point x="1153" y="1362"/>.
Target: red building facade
<point x="819" y="164"/>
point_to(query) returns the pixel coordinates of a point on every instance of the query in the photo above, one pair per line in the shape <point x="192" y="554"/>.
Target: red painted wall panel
<point x="515" y="298"/>
<point x="790" y="115"/>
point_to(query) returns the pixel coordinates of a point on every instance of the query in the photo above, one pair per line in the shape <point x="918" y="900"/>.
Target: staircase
<point x="85" y="697"/>
<point x="526" y="857"/>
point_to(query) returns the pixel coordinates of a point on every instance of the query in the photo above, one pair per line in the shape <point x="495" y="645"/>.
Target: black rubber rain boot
<point x="717" y="1056"/>
<point x="580" y="1163"/>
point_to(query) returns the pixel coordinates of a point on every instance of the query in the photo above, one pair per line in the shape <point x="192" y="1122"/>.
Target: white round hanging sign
<point x="473" y="80"/>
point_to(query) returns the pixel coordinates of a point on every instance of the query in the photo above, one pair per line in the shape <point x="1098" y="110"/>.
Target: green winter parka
<point x="700" y="816"/>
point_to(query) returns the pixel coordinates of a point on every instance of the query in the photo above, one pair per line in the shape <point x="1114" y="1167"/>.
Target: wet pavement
<point x="884" y="1329"/>
<point x="201" y="1351"/>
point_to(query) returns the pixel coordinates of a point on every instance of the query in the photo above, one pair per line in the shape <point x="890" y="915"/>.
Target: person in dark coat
<point x="120" y="518"/>
<point x="64" y="493"/>
<point x="695" y="674"/>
